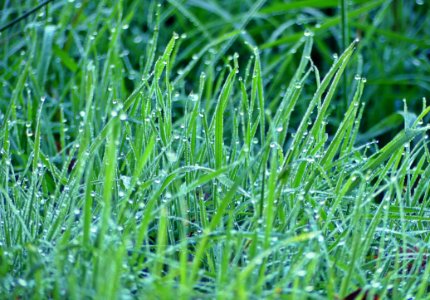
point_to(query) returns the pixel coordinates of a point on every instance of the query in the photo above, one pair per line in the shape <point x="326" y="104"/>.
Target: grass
<point x="214" y="149"/>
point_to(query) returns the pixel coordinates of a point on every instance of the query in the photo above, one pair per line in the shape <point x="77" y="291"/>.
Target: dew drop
<point x="123" y="116"/>
<point x="138" y="39"/>
<point x="193" y="97"/>
<point x="308" y="33"/>
<point x="22" y="282"/>
<point x="171" y="156"/>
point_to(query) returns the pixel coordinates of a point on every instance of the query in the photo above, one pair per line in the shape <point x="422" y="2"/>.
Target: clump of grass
<point x="186" y="180"/>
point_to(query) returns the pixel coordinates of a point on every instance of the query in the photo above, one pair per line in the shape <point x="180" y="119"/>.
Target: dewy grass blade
<point x="109" y="166"/>
<point x="218" y="123"/>
<point x="161" y="243"/>
<point x="46" y="54"/>
<point x="341" y="134"/>
<point x="394" y="146"/>
<point x="258" y="93"/>
<point x="37" y="137"/>
<point x="337" y="68"/>
<point x="199" y="55"/>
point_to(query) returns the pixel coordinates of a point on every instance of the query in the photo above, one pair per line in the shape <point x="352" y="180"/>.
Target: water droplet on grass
<point x="22" y="282"/>
<point x="193" y="97"/>
<point x="309" y="288"/>
<point x="308" y="33"/>
<point x="138" y="39"/>
<point x="171" y="156"/>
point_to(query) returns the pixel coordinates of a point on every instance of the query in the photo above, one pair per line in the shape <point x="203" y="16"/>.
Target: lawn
<point x="217" y="149"/>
